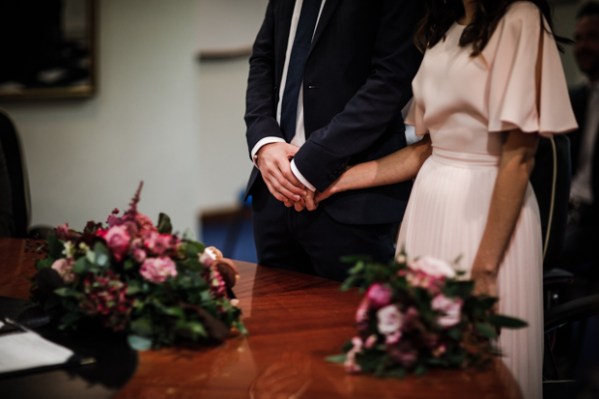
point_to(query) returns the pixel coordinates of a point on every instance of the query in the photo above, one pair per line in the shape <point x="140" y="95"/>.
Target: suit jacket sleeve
<point x="261" y="101"/>
<point x="380" y="99"/>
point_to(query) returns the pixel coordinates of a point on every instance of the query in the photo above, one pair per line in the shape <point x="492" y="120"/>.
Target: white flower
<point x="401" y="258"/>
<point x="450" y="309"/>
<point x="433" y="267"/>
<point x="390" y="319"/>
<point x="69" y="249"/>
<point x="210" y="255"/>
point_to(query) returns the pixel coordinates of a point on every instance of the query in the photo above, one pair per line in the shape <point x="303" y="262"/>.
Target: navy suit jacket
<point x="356" y="81"/>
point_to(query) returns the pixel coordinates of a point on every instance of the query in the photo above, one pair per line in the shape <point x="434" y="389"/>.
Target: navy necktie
<point x="297" y="61"/>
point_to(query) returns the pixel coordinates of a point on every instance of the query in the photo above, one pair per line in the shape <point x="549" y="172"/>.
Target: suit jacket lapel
<point x="327" y="12"/>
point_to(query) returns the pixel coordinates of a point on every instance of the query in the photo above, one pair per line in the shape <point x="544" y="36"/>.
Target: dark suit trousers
<point x="313" y="242"/>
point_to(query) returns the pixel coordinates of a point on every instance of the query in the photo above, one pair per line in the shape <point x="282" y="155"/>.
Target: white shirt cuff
<point x="301" y="177"/>
<point x="261" y="143"/>
<point x="411" y="136"/>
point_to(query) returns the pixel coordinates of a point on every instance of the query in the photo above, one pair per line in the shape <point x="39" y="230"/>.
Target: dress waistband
<point x="468" y="158"/>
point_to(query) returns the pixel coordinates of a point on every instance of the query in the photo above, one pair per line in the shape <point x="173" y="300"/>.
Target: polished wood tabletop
<point x="294" y="322"/>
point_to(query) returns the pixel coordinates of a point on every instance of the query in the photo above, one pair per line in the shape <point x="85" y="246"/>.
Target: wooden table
<point x="295" y="321"/>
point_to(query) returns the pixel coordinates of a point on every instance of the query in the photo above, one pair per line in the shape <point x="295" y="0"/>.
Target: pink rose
<point x="432" y="266"/>
<point x="64" y="267"/>
<point x="157" y="270"/>
<point x="158" y="243"/>
<point x="139" y="255"/>
<point x="450" y="309"/>
<point x="379" y="295"/>
<point x="389" y="319"/>
<point x="117" y="238"/>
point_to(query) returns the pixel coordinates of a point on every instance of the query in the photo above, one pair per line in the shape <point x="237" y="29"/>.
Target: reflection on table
<point x="295" y="321"/>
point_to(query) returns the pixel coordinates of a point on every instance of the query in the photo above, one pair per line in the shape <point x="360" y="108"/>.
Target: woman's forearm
<point x="515" y="166"/>
<point x="399" y="166"/>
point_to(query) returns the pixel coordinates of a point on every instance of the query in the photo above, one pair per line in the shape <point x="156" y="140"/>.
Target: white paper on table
<point x="23" y="350"/>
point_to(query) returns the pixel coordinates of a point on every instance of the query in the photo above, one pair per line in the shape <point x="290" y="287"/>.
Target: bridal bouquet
<point x="139" y="278"/>
<point x="417" y="315"/>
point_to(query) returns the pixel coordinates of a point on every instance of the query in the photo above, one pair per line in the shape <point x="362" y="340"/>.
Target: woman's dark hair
<point x="440" y="15"/>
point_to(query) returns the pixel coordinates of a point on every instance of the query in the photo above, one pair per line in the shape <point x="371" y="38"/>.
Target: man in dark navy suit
<point x="327" y="83"/>
<point x="582" y="234"/>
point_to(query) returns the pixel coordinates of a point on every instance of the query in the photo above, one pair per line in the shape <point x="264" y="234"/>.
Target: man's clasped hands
<point x="274" y="162"/>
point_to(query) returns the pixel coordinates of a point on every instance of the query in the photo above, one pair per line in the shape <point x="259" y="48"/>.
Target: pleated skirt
<point x="445" y="218"/>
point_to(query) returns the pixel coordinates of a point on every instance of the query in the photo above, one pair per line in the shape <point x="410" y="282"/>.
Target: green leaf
<point x="55" y="247"/>
<point x="396" y="372"/>
<point x="340" y="358"/>
<point x="486" y="302"/>
<point x="100" y="255"/>
<point x="142" y="326"/>
<point x="69" y="320"/>
<point x="172" y="311"/>
<point x="455" y="334"/>
<point x="128" y="264"/>
<point x="80" y="266"/>
<point x="192" y="249"/>
<point x="67" y="292"/>
<point x="133" y="287"/>
<point x="420" y="369"/>
<point x="456" y="359"/>
<point x="164" y="224"/>
<point x="241" y="327"/>
<point x="45" y="263"/>
<point x="506" y="321"/>
<point x="139" y="342"/>
<point x="486" y="330"/>
<point x="196" y="329"/>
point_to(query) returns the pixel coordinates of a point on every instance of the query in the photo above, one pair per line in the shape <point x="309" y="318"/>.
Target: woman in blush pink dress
<point x="490" y="83"/>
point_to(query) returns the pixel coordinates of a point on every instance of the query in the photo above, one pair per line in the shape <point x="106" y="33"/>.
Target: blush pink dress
<point x="464" y="103"/>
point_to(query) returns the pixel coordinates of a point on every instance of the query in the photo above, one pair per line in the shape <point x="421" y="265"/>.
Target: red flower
<point x="106" y="297"/>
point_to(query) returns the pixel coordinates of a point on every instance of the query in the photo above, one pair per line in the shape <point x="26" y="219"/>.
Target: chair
<point x="551" y="180"/>
<point x="19" y="199"/>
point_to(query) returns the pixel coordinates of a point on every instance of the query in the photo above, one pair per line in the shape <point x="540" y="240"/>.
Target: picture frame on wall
<point x="48" y="49"/>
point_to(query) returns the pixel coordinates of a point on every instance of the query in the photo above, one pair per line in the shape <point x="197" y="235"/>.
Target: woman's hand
<point x="485" y="282"/>
<point x="321" y="196"/>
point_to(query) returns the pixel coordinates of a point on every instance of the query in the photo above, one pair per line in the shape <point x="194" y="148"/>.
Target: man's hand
<point x="274" y="164"/>
<point x="306" y="202"/>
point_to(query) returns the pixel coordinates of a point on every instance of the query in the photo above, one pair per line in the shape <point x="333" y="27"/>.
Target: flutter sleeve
<point x="415" y="117"/>
<point x="527" y="88"/>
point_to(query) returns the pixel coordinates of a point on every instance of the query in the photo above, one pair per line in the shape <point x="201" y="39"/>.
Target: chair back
<point x="19" y="184"/>
<point x="550" y="179"/>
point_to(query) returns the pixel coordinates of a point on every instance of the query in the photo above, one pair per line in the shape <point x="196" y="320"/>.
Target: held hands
<point x="311" y="199"/>
<point x="273" y="161"/>
<point x="306" y="202"/>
